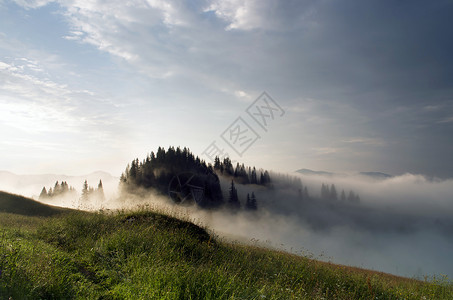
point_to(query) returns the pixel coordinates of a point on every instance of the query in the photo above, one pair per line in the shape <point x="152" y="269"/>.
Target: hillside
<point x="149" y="255"/>
<point x="10" y="203"/>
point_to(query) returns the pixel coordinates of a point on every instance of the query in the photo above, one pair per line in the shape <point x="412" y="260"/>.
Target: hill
<point x="10" y="203"/>
<point x="376" y="175"/>
<point x="311" y="172"/>
<point x="149" y="255"/>
<point x="371" y="174"/>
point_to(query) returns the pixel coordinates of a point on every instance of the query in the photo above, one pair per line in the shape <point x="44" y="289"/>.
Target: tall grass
<point x="148" y="255"/>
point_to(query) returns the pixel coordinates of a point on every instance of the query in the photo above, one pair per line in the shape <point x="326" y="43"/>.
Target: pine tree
<point x="100" y="191"/>
<point x="254" y="179"/>
<point x="85" y="191"/>
<point x="253" y="204"/>
<point x="233" y="200"/>
<point x="217" y="163"/>
<point x="333" y="193"/>
<point x="43" y="194"/>
<point x="247" y="203"/>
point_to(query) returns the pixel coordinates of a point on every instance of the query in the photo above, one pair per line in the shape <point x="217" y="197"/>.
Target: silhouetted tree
<point x="85" y="191"/>
<point x="352" y="197"/>
<point x="251" y="202"/>
<point x="253" y="179"/>
<point x="43" y="194"/>
<point x="333" y="193"/>
<point x="100" y="191"/>
<point x="233" y="200"/>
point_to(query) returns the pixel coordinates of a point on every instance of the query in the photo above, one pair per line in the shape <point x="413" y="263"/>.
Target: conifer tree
<point x="333" y="193"/>
<point x="253" y="204"/>
<point x="233" y="200"/>
<point x="43" y="194"/>
<point x="85" y="191"/>
<point x="100" y="191"/>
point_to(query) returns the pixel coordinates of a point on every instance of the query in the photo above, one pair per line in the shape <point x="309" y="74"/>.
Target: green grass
<point x="149" y="255"/>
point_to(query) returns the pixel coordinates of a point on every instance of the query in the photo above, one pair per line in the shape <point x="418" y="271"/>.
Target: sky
<point x="350" y="85"/>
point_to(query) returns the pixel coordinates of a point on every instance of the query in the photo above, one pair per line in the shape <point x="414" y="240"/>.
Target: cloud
<point x="447" y="120"/>
<point x="267" y="15"/>
<point x="33" y="4"/>
<point x="355" y="68"/>
<point x="366" y="141"/>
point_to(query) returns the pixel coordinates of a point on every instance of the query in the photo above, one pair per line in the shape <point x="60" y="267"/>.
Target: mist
<point x="402" y="225"/>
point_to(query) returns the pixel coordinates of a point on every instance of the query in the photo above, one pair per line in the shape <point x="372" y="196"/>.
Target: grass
<point x="20" y="205"/>
<point x="148" y="255"/>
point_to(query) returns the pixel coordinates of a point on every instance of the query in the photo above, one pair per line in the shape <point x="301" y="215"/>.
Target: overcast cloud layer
<point x="89" y="85"/>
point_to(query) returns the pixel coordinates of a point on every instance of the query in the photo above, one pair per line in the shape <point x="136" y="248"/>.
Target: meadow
<point x="52" y="253"/>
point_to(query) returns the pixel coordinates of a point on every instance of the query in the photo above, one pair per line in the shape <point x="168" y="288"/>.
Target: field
<point x="51" y="253"/>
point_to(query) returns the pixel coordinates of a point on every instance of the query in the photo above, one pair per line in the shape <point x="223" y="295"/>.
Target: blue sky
<point x="90" y="85"/>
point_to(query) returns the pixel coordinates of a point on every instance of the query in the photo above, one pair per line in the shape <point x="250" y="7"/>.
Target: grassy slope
<point x="24" y="206"/>
<point x="147" y="255"/>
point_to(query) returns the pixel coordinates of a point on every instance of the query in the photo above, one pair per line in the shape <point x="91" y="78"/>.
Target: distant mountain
<point x="311" y="172"/>
<point x="376" y="175"/>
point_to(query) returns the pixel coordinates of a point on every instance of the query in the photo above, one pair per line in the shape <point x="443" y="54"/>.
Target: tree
<point x="43" y="194"/>
<point x="100" y="191"/>
<point x="247" y="203"/>
<point x="217" y="163"/>
<point x="57" y="189"/>
<point x="333" y="192"/>
<point x="85" y="191"/>
<point x="352" y="197"/>
<point x="251" y="202"/>
<point x="233" y="200"/>
<point x="254" y="179"/>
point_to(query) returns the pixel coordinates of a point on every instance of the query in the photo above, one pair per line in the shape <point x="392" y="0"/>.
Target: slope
<point x="10" y="203"/>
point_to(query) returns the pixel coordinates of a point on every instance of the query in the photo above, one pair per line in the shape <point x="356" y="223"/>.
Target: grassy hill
<point x="10" y="203"/>
<point x="149" y="255"/>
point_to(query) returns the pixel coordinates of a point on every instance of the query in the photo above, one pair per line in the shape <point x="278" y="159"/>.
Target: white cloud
<point x="447" y="120"/>
<point x="325" y="150"/>
<point x="244" y="15"/>
<point x="365" y="141"/>
<point x="32" y="102"/>
<point x="32" y="4"/>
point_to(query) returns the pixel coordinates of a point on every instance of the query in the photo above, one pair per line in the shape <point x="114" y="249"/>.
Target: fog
<point x="402" y="225"/>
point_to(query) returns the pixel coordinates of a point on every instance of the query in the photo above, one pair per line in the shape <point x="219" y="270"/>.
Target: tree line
<point x="63" y="190"/>
<point x="241" y="173"/>
<point x="330" y="193"/>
